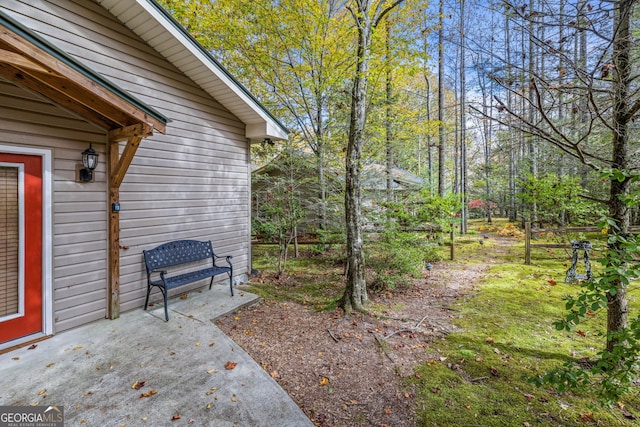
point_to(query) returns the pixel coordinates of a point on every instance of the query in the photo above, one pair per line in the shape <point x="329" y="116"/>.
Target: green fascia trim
<point x="214" y="61"/>
<point x="17" y="28"/>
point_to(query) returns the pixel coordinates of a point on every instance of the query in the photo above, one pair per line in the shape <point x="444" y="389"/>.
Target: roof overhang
<point x="156" y="27"/>
<point x="31" y="62"/>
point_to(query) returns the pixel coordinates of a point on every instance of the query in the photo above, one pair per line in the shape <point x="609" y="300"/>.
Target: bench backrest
<point x="177" y="252"/>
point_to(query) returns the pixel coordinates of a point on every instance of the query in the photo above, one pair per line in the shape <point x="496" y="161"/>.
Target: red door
<point x="21" y="296"/>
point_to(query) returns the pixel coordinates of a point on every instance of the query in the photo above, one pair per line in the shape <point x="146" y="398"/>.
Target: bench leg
<point x="166" y="310"/>
<point x="146" y="301"/>
<point x="231" y="281"/>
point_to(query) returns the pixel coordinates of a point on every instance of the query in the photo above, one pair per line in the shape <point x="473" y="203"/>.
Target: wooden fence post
<point x="453" y="233"/>
<point x="527" y="243"/>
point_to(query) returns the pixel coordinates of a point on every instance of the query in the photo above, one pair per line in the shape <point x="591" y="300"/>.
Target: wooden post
<point x="453" y="234"/>
<point x="117" y="166"/>
<point x="527" y="243"/>
<point x="114" y="236"/>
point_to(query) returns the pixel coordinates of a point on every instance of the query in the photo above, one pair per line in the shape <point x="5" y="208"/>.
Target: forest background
<point x="406" y="113"/>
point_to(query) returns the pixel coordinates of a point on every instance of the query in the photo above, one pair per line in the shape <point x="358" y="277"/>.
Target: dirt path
<point x="350" y="371"/>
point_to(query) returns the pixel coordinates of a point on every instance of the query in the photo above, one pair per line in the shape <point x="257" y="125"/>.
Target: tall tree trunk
<point x="618" y="209"/>
<point x="322" y="180"/>
<point x="355" y="294"/>
<point x="512" y="145"/>
<point x="389" y="115"/>
<point x="442" y="142"/>
<point x="429" y="138"/>
<point x="463" y="124"/>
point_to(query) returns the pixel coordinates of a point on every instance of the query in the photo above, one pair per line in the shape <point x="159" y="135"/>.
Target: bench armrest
<point x="227" y="258"/>
<point x="161" y="272"/>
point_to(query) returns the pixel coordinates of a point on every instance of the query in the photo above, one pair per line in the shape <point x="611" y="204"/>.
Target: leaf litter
<point x="326" y="361"/>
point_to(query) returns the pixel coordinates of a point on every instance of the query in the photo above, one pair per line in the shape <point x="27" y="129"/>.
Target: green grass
<point x="309" y="280"/>
<point x="480" y="376"/>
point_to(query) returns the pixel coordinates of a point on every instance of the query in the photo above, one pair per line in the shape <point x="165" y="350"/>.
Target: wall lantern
<point x="89" y="161"/>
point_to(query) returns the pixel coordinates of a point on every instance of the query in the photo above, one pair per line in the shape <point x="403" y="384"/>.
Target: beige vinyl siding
<point x="78" y="211"/>
<point x="192" y="182"/>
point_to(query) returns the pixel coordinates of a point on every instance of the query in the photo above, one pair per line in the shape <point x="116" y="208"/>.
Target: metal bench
<point x="182" y="253"/>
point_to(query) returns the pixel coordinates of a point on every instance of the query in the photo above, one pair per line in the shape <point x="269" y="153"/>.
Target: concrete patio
<point x="183" y="363"/>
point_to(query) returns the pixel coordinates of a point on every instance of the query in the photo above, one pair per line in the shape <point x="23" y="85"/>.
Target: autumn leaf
<point x="184" y="296"/>
<point x="489" y="340"/>
<point x="175" y="417"/>
<point x="324" y="381"/>
<point x="552" y="282"/>
<point x="230" y="365"/>
<point x="588" y="417"/>
<point x="41" y="392"/>
<point x="148" y="393"/>
<point x="387" y="411"/>
<point x="137" y="385"/>
<point x="581" y="333"/>
<point x="274" y="374"/>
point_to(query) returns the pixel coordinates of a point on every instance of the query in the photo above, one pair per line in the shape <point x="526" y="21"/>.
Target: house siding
<point x="190" y="183"/>
<point x="79" y="246"/>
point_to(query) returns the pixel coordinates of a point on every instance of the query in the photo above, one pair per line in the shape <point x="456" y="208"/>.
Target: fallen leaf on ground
<point x="212" y="371"/>
<point x="230" y="365"/>
<point x="41" y="392"/>
<point x="137" y="385"/>
<point x="589" y="417"/>
<point x="78" y="347"/>
<point x="175" y="417"/>
<point x="552" y="282"/>
<point x="149" y="393"/>
<point x="233" y="398"/>
<point x="324" y="381"/>
<point x="184" y="296"/>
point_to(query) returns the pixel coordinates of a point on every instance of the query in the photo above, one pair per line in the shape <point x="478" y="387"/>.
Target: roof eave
<point x="260" y="123"/>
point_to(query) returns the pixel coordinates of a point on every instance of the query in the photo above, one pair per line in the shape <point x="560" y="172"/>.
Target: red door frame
<point x="31" y="320"/>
